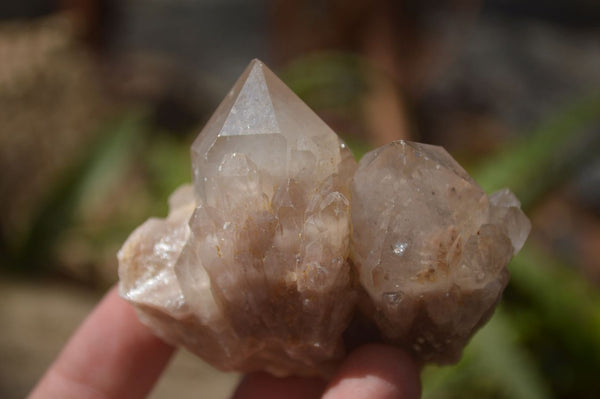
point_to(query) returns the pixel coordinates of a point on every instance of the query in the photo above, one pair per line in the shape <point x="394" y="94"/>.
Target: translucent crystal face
<point x="263" y="262"/>
<point x="275" y="131"/>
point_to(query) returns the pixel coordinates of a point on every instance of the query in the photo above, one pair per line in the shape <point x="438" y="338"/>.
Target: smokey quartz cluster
<point x="283" y="242"/>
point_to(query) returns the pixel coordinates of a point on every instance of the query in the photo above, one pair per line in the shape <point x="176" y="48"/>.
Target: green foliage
<point x="167" y="161"/>
<point x="88" y="180"/>
<point x="327" y="80"/>
<point x="546" y="157"/>
<point x="493" y="362"/>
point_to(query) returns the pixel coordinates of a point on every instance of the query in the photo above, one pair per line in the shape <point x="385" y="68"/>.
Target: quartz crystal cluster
<point x="283" y="245"/>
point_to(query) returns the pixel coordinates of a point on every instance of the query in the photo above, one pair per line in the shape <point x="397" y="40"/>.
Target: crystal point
<point x="252" y="112"/>
<point x="281" y="246"/>
<point x="431" y="234"/>
<point x="263" y="265"/>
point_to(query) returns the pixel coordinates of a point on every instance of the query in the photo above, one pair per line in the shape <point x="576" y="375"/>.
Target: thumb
<point x="376" y="372"/>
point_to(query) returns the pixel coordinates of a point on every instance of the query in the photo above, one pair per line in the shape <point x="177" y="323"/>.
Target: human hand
<point x="370" y="372"/>
<point x="112" y="355"/>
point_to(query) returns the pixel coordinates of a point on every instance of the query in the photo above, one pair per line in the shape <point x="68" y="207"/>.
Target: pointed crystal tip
<point x="252" y="112"/>
<point x="265" y="120"/>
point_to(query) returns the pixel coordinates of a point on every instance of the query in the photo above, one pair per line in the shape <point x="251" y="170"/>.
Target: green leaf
<point x="493" y="362"/>
<point x="503" y="360"/>
<point x="568" y="304"/>
<point x="544" y="159"/>
<point x="358" y="148"/>
<point x="327" y="79"/>
<point x="167" y="160"/>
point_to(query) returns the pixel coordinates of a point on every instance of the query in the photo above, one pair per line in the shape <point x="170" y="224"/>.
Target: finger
<point x="376" y="372"/>
<point x="112" y="355"/>
<point x="265" y="386"/>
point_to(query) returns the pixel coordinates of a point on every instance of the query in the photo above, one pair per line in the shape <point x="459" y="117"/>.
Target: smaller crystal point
<point x="423" y="228"/>
<point x="506" y="212"/>
<point x="148" y="257"/>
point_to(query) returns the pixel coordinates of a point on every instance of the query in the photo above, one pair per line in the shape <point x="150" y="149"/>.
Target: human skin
<point x="112" y="356"/>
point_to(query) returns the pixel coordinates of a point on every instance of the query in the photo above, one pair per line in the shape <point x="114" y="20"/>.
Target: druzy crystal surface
<point x="282" y="249"/>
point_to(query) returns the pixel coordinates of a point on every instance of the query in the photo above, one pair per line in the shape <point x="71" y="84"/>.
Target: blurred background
<point x="100" y="100"/>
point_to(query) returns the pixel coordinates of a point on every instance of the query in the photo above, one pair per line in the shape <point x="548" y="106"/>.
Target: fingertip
<point x="111" y="355"/>
<point x="377" y="372"/>
<point x="265" y="386"/>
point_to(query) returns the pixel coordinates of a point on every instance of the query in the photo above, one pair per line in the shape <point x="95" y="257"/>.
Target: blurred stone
<point x="253" y="267"/>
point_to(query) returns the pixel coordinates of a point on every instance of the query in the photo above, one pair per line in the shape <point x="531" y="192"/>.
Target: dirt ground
<point x="36" y="320"/>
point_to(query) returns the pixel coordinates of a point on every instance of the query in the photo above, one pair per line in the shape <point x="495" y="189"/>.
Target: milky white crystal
<point x="280" y="242"/>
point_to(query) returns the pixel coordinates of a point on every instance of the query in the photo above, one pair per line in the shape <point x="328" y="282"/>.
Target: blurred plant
<point x="90" y="178"/>
<point x="548" y="156"/>
<point x="328" y="80"/>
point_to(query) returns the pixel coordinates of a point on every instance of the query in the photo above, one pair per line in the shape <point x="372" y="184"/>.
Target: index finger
<point x="112" y="355"/>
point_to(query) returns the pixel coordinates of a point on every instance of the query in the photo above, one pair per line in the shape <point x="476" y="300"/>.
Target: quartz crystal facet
<point x="263" y="263"/>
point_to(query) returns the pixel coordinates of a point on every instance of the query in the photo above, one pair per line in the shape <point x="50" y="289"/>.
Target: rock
<point x="263" y="280"/>
<point x="264" y="261"/>
<point x="430" y="247"/>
